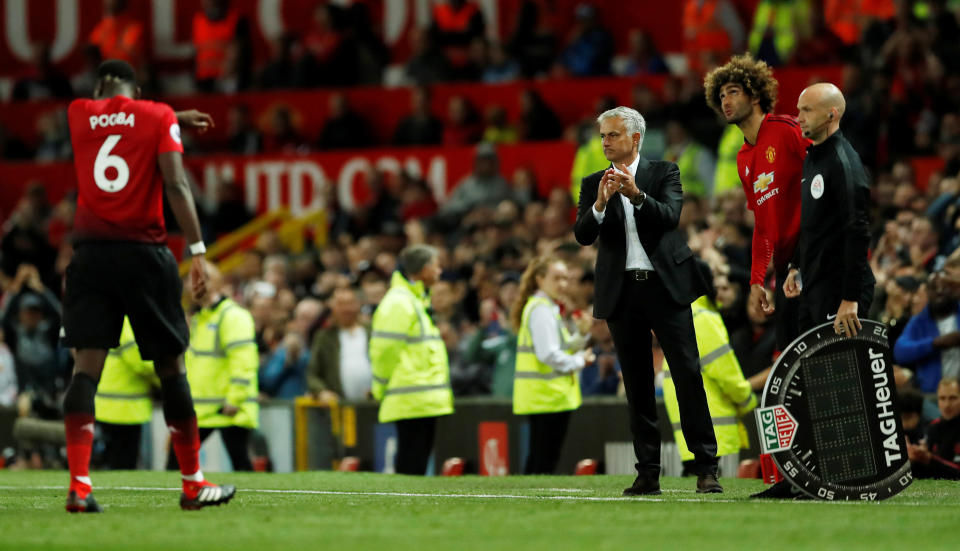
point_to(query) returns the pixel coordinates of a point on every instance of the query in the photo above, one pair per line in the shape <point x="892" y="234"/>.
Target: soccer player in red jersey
<point x="770" y="163"/>
<point x="127" y="152"/>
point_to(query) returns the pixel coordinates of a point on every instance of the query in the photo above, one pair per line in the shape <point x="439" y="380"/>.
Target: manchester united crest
<point x="771" y="154"/>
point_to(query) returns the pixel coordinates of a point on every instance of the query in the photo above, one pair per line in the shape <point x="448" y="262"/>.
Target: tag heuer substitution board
<point x="830" y="419"/>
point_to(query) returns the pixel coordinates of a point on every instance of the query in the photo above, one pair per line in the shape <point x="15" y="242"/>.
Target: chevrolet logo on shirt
<point x="762" y="182"/>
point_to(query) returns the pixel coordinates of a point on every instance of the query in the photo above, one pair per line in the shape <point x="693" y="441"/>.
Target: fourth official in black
<point x="831" y="275"/>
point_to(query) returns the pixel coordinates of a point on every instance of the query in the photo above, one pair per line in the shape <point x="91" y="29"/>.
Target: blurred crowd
<point x="901" y="80"/>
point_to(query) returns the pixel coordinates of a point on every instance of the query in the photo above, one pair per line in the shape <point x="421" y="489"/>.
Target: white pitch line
<point x="394" y="494"/>
<point x="485" y="496"/>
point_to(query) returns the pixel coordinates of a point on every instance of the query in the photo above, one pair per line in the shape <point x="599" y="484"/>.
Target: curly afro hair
<point x="753" y="75"/>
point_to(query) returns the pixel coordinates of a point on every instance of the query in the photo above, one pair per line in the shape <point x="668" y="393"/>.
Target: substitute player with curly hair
<point x="770" y="164"/>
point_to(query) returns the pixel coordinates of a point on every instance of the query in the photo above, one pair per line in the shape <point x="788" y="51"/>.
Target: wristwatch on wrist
<point x="638" y="199"/>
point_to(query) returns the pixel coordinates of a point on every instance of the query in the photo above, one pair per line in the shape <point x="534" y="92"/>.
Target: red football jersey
<point x="770" y="172"/>
<point x="115" y="146"/>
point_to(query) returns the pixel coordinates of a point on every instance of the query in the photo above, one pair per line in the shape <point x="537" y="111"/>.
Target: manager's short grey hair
<point x="413" y="259"/>
<point x="631" y="118"/>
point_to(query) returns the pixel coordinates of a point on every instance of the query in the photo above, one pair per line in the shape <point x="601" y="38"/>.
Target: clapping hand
<point x="608" y="186"/>
<point x="627" y="185"/>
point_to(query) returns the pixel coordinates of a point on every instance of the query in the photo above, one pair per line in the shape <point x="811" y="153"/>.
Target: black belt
<point x="640" y="275"/>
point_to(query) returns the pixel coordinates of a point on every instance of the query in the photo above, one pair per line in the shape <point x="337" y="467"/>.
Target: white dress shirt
<point x="637" y="258"/>
<point x="547" y="344"/>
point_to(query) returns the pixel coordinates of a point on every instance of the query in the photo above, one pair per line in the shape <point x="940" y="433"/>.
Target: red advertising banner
<point x="307" y="182"/>
<point x="494" y="456"/>
<point x="382" y="108"/>
<point x="66" y="25"/>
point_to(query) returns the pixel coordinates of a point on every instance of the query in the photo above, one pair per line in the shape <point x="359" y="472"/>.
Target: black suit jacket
<point x="657" y="227"/>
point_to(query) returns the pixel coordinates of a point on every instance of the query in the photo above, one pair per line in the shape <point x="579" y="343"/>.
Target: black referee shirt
<point x="834" y="220"/>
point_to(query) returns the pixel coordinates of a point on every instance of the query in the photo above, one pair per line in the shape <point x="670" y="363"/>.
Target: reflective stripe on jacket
<point x="411" y="372"/>
<point x="222" y="364"/>
<point x="728" y="393"/>
<point x="537" y="387"/>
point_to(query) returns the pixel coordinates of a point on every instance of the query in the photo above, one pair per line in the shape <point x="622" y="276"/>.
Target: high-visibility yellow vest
<point x="784" y="19"/>
<point x="729" y="396"/>
<point x="537" y="388"/>
<point x="725" y="175"/>
<point x="686" y="161"/>
<point x="123" y="395"/>
<point x="411" y="372"/>
<point x="588" y="159"/>
<point x="222" y="363"/>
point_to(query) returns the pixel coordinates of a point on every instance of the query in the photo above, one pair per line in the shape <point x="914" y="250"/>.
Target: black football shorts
<point x="108" y="280"/>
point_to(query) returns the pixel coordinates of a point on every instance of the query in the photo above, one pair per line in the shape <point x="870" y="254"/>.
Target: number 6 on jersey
<point x="104" y="161"/>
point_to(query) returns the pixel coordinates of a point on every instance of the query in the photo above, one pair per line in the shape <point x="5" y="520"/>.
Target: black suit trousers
<point x="644" y="306"/>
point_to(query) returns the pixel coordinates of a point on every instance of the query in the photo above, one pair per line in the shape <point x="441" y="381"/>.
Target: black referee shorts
<point x="820" y="301"/>
<point x="108" y="280"/>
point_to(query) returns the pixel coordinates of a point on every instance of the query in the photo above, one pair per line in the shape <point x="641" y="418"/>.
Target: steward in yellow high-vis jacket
<point x="411" y="372"/>
<point x="546" y="384"/>
<point x="124" y="401"/>
<point x="729" y="396"/>
<point x="222" y="363"/>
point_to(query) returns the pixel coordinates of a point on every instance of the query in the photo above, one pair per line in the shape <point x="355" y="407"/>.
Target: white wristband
<point x="197" y="249"/>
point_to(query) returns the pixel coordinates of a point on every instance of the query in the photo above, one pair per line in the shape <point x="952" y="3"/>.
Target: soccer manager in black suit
<point x="646" y="279"/>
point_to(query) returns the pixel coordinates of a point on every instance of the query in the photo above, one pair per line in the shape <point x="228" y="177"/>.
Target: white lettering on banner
<point x="358" y="165"/>
<point x="437" y="178"/>
<point x="310" y="173"/>
<point x="413" y="168"/>
<point x="274" y="171"/>
<point x="269" y="18"/>
<point x="303" y="185"/>
<point x="165" y="43"/>
<point x="389" y="165"/>
<point x="213" y="174"/>
<point x="253" y="187"/>
<point x="394" y="20"/>
<point x="17" y="28"/>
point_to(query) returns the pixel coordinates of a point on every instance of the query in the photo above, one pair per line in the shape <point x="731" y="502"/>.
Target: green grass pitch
<point x="340" y="511"/>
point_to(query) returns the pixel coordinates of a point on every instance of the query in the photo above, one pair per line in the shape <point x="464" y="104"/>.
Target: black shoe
<point x="780" y="490"/>
<point x="85" y="505"/>
<point x="644" y="486"/>
<point x="708" y="484"/>
<point x="208" y="494"/>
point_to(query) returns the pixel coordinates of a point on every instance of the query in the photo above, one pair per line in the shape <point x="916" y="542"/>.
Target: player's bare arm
<point x="196" y="120"/>
<point x="185" y="211"/>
